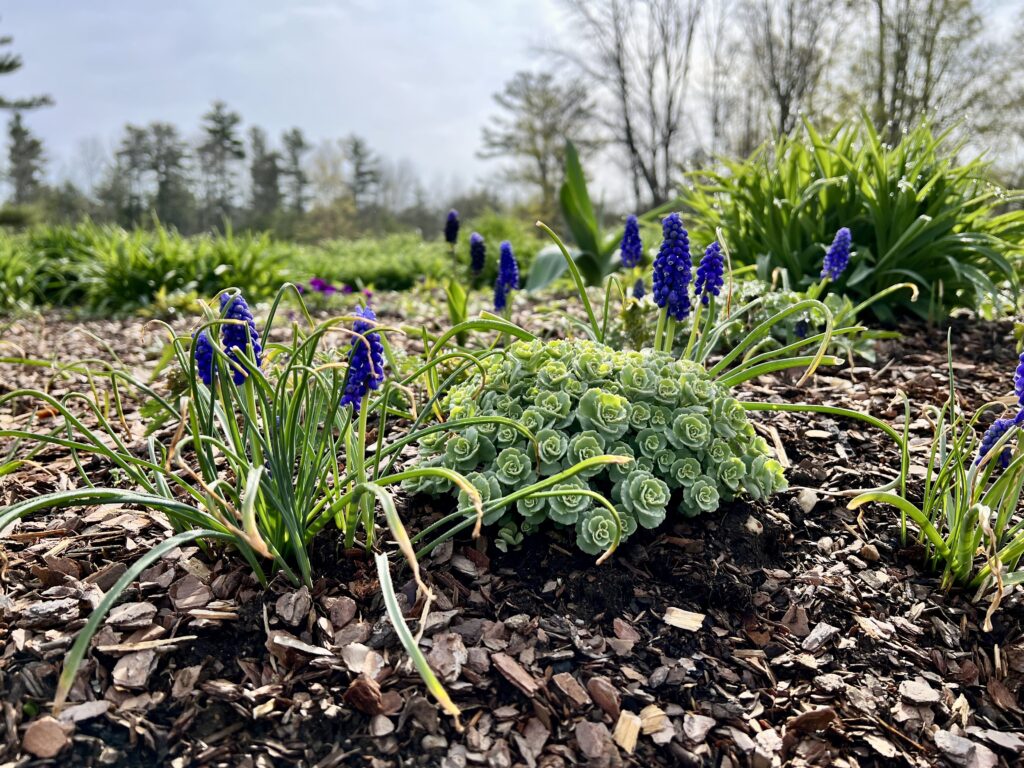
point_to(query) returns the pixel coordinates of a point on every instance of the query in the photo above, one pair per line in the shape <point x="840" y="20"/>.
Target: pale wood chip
<point x="686" y="620"/>
<point x="627" y="730"/>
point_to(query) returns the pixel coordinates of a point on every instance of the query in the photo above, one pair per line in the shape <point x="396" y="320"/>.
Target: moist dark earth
<point x="812" y="634"/>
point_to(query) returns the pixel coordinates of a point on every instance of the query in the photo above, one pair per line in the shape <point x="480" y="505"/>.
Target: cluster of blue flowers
<point x="236" y="338"/>
<point x="451" y="227"/>
<point x="710" y="274"/>
<point x="838" y="255"/>
<point x="1001" y="426"/>
<point x="631" y="249"/>
<point x="365" y="360"/>
<point x="992" y="435"/>
<point x="477" y="253"/>
<point x="638" y="288"/>
<point x="673" y="269"/>
<point x="508" y="276"/>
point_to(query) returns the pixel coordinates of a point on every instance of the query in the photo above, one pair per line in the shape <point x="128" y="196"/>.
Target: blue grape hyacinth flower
<point x="1018" y="380"/>
<point x="202" y="350"/>
<point x="710" y="274"/>
<point x="639" y="291"/>
<point x="508" y="276"/>
<point x="508" y="267"/>
<point x="673" y="269"/>
<point x="838" y="255"/>
<point x="365" y="360"/>
<point x="500" y="296"/>
<point x="632" y="248"/>
<point x="451" y="227"/>
<point x="477" y="253"/>
<point x="237" y="337"/>
<point x="992" y="436"/>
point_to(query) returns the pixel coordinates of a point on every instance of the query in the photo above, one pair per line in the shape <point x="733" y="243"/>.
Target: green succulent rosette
<point x="490" y="489"/>
<point x="596" y="531"/>
<point x="691" y="443"/>
<point x="567" y="507"/>
<point x="645" y="497"/>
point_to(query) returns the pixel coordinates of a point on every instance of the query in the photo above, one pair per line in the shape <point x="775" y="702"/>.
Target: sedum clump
<point x="691" y="442"/>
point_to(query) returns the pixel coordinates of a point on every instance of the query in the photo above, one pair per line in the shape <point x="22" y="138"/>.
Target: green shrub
<point x="19" y="277"/>
<point x="916" y="213"/>
<point x="106" y="268"/>
<point x="691" y="442"/>
<point x="395" y="262"/>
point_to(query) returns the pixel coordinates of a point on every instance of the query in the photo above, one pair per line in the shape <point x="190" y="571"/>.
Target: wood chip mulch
<point x="793" y="632"/>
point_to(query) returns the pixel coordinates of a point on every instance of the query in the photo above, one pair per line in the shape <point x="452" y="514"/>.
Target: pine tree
<point x="219" y="152"/>
<point x="10" y="63"/>
<point x="167" y="157"/>
<point x="295" y="148"/>
<point x="364" y="170"/>
<point x="25" y="162"/>
<point x="126" y="190"/>
<point x="265" y="178"/>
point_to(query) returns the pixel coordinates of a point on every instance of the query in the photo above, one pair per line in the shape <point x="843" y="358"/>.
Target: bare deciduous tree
<point x="538" y="115"/>
<point x="639" y="53"/>
<point x="789" y="51"/>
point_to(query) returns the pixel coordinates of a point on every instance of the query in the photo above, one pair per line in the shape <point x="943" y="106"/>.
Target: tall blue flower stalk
<point x="365" y="360"/>
<point x="477" y="254"/>
<point x="451" y="227"/>
<point x="239" y="338"/>
<point x="508" y="276"/>
<point x="838" y="255"/>
<point x="710" y="274"/>
<point x="673" y="271"/>
<point x="632" y="249"/>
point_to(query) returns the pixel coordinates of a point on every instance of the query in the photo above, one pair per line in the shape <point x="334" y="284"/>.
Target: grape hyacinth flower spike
<point x="508" y="276"/>
<point x="365" y="360"/>
<point x="673" y="269"/>
<point x="837" y="256"/>
<point x="710" y="274"/>
<point x="451" y="227"/>
<point x="202" y="350"/>
<point x="1018" y="380"/>
<point x="631" y="249"/>
<point x="237" y="338"/>
<point x="638" y="289"/>
<point x="477" y="253"/>
<point x="992" y="435"/>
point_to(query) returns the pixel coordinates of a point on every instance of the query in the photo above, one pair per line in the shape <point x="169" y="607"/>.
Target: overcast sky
<point x="414" y="77"/>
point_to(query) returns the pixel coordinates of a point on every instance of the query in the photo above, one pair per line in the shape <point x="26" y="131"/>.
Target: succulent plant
<point x="691" y="442"/>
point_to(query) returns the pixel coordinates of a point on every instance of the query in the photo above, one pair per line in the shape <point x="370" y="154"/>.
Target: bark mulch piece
<point x="788" y="632"/>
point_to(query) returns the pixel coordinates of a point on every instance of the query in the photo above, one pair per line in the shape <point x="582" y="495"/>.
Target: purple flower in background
<point x="638" y="288"/>
<point x="451" y="227"/>
<point x="508" y="267"/>
<point x="477" y="253"/>
<point x="710" y="273"/>
<point x="673" y="269"/>
<point x="365" y="360"/>
<point x="320" y="285"/>
<point x="631" y="249"/>
<point x="837" y="256"/>
<point x="500" y="296"/>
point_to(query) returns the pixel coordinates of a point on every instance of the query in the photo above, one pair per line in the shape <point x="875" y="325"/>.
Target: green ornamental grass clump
<point x="691" y="442"/>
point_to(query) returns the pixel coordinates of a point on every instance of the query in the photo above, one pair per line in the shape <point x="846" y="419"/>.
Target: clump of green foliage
<point x="690" y="442"/>
<point x="915" y="211"/>
<point x="968" y="517"/>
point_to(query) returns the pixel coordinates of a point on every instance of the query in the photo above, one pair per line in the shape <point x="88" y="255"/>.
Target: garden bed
<point x="809" y="633"/>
